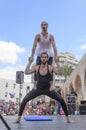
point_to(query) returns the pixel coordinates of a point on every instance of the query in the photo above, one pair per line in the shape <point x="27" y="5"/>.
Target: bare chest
<point x="43" y="71"/>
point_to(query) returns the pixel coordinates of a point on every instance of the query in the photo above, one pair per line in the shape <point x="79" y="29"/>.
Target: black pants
<point x="37" y="92"/>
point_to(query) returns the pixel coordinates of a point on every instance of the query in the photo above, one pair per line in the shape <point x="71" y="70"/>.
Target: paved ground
<point x="58" y="123"/>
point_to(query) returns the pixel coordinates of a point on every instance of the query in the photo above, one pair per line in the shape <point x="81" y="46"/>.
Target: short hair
<point x="43" y="53"/>
<point x="44" y="22"/>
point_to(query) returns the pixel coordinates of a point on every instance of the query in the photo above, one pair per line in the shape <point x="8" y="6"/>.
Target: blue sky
<point x="20" y="21"/>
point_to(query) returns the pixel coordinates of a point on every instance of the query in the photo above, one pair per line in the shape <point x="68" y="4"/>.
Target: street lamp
<point x="27" y="89"/>
<point x="6" y="85"/>
<point x="14" y="85"/>
<point x="20" y="80"/>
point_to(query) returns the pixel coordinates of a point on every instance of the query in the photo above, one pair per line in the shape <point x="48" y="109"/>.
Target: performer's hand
<point x="30" y="59"/>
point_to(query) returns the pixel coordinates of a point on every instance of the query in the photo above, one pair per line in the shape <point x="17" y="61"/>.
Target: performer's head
<point x="44" y="25"/>
<point x="44" y="58"/>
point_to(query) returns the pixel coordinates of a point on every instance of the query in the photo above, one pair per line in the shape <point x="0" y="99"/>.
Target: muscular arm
<point x="34" y="45"/>
<point x="56" y="58"/>
<point x="57" y="70"/>
<point x="29" y="70"/>
<point x="53" y="44"/>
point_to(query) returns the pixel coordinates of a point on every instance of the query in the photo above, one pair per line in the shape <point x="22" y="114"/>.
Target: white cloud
<point x="83" y="47"/>
<point x="9" y="52"/>
<point x="10" y="73"/>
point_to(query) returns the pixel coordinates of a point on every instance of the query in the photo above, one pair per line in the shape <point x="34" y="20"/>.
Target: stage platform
<point x="58" y="123"/>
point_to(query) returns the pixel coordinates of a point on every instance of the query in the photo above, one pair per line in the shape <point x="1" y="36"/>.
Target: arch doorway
<point x="78" y="88"/>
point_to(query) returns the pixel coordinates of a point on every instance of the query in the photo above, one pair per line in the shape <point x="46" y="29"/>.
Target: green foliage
<point x="67" y="70"/>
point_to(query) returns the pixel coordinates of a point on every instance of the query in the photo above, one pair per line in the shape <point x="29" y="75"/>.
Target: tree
<point x="67" y="70"/>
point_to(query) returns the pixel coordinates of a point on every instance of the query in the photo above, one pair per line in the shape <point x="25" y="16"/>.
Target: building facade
<point x="10" y="90"/>
<point x="77" y="80"/>
<point x="65" y="59"/>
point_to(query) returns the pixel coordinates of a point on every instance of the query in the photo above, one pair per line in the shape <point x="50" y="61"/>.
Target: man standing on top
<point x="44" y="42"/>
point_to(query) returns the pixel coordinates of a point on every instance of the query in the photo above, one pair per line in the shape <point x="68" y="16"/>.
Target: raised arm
<point x="29" y="69"/>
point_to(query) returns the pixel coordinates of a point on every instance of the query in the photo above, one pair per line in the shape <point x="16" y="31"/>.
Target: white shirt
<point x="44" y="46"/>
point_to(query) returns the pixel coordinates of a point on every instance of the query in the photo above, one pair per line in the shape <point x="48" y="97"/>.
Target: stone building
<point x="77" y="80"/>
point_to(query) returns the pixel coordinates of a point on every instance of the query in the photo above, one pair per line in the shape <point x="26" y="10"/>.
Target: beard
<point x="44" y="63"/>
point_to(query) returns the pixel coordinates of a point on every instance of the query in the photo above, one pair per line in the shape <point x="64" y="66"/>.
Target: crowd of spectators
<point x="32" y="108"/>
<point x="8" y="108"/>
<point x="40" y="108"/>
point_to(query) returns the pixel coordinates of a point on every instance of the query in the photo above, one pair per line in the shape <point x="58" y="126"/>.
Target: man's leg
<point x="54" y="95"/>
<point x="31" y="95"/>
<point x="50" y="61"/>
